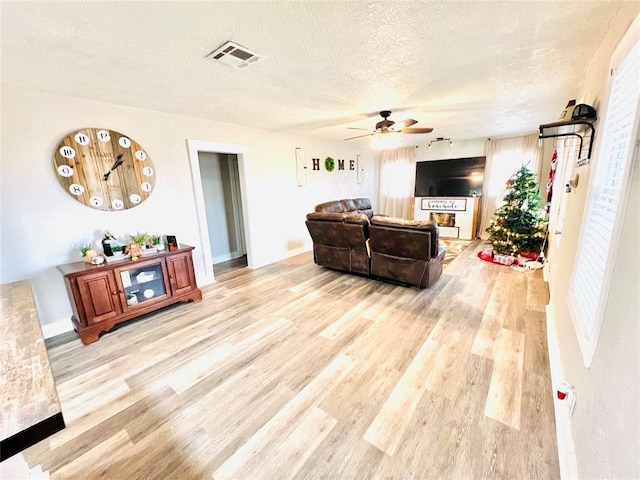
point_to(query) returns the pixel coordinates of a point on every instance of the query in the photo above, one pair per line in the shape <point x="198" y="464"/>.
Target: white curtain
<point x="397" y="182"/>
<point x="505" y="156"/>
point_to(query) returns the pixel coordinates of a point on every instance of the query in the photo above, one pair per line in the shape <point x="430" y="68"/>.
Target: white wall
<point x="605" y="426"/>
<point x="41" y="223"/>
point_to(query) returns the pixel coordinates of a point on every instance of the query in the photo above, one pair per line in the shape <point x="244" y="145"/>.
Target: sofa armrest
<point x="402" y="223"/>
<point x="359" y="218"/>
<point x="326" y="217"/>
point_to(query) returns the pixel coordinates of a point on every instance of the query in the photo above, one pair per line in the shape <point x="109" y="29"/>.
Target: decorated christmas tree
<point x="517" y="226"/>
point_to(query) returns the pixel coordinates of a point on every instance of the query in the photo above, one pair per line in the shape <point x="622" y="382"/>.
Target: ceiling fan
<point x="386" y="126"/>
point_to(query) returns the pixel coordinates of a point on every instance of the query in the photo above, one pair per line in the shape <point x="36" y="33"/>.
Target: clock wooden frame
<point x="104" y="169"/>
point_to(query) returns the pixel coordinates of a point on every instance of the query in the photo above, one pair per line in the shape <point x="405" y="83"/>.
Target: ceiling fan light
<point x="384" y="142"/>
<point x="451" y="143"/>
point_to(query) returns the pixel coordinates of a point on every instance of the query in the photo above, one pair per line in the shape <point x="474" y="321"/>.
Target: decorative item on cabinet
<point x="140" y="238"/>
<point x="156" y="241"/>
<point x="106" y="244"/>
<point x="134" y="250"/>
<point x="88" y="252"/>
<point x="106" y="295"/>
<point x="172" y="242"/>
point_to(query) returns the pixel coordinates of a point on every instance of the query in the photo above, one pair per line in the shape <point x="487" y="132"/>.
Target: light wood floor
<point x="297" y="371"/>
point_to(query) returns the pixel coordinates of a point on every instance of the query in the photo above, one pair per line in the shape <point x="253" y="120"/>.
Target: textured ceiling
<point x="467" y="69"/>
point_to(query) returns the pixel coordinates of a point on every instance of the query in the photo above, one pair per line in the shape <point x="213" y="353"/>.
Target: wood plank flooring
<point x="297" y="371"/>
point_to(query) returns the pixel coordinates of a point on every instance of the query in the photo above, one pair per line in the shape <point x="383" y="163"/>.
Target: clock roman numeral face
<point x="104" y="169"/>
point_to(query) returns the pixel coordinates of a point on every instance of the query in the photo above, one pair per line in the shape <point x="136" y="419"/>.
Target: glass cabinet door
<point x="143" y="284"/>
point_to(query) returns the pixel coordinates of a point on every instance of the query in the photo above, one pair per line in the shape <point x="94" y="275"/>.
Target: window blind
<point x="591" y="278"/>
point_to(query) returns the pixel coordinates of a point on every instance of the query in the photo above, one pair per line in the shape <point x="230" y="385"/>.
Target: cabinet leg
<point x="195" y="296"/>
<point x="89" y="337"/>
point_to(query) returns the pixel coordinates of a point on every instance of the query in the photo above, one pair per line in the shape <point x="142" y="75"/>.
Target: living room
<point x="42" y="226"/>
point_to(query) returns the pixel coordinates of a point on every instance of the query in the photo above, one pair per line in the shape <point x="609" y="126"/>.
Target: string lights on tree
<point x="518" y="225"/>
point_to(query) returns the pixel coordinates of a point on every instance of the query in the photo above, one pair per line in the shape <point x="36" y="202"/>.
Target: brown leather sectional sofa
<point x="347" y="236"/>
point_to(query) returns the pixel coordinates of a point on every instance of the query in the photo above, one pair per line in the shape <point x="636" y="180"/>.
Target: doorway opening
<point x="220" y="177"/>
<point x="219" y="181"/>
<point x="230" y="269"/>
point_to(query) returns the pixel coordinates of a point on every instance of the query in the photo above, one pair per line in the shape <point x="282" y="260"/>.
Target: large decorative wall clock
<point x="104" y="169"/>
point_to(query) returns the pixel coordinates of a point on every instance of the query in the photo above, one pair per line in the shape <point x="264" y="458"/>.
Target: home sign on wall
<point x="330" y="164"/>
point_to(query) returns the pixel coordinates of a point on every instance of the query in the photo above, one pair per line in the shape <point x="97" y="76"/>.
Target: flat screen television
<point x="458" y="177"/>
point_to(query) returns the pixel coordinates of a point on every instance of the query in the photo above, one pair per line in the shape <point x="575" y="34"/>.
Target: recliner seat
<point x="347" y="236"/>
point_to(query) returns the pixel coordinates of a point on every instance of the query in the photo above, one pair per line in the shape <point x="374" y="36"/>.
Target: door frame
<point x="194" y="147"/>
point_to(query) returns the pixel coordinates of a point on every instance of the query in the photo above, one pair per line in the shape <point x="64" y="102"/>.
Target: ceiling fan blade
<point x="360" y="136"/>
<point x="417" y="130"/>
<point x="405" y="123"/>
<point x="356" y="128"/>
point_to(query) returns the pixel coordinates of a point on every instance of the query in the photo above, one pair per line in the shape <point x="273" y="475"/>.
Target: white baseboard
<point x="299" y="250"/>
<point x="566" y="447"/>
<point x="56" y="328"/>
<point x="289" y="254"/>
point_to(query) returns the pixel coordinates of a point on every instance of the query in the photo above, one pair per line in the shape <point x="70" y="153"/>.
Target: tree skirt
<point x="524" y="260"/>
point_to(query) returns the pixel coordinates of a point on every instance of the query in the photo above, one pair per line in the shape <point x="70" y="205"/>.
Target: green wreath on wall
<point x="329" y="164"/>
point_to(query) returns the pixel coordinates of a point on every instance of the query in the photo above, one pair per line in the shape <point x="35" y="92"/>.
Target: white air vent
<point x="235" y="55"/>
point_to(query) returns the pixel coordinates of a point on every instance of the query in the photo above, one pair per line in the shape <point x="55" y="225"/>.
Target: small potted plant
<point x="156" y="241"/>
<point x="139" y="238"/>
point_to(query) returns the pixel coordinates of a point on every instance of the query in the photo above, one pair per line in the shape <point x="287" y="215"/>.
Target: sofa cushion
<point x="330" y="207"/>
<point x="363" y="205"/>
<point x="347" y="205"/>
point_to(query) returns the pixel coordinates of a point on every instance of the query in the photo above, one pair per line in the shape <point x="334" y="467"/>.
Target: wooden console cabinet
<point x="104" y="295"/>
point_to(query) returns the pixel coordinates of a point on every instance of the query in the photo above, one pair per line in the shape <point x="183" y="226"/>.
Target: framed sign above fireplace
<point x="453" y="204"/>
<point x="456" y="216"/>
